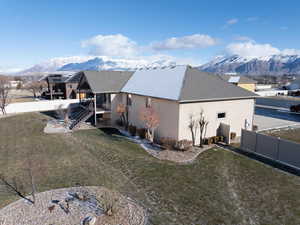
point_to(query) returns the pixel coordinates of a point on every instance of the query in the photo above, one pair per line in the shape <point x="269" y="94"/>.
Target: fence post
<point x="278" y="147"/>
<point x="255" y="148"/>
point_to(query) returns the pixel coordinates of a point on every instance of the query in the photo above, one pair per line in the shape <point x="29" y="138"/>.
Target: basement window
<point x="221" y="115"/>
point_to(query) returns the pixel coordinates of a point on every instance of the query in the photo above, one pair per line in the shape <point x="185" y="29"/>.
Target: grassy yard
<point x="221" y="187"/>
<point x="292" y="134"/>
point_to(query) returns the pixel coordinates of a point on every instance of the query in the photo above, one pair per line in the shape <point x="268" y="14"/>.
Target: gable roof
<point x="203" y="86"/>
<point x="183" y="84"/>
<point x="237" y="79"/>
<point x="106" y="81"/>
<point x="161" y="83"/>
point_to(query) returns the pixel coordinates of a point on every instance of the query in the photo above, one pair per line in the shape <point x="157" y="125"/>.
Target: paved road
<point x="278" y="102"/>
<point x="268" y="118"/>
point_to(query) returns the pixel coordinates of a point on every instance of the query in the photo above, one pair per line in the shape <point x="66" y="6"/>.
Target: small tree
<point x="203" y="126"/>
<point x="15" y="187"/>
<point x="151" y="119"/>
<point x="4" y="90"/>
<point x="123" y="113"/>
<point x="193" y="126"/>
<point x="36" y="87"/>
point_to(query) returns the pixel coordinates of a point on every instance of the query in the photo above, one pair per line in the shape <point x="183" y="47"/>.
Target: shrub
<point x="119" y="122"/>
<point x="216" y="139"/>
<point x="232" y="135"/>
<point x="141" y="133"/>
<point x="210" y="140"/>
<point x="167" y="143"/>
<point x="255" y="128"/>
<point x="132" y="130"/>
<point x="221" y="138"/>
<point x="183" y="145"/>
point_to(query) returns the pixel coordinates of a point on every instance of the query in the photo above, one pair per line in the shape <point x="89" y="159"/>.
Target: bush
<point x="119" y="122"/>
<point x="132" y="130"/>
<point x="141" y="133"/>
<point x="167" y="143"/>
<point x="232" y="135"/>
<point x="210" y="140"/>
<point x="183" y="145"/>
<point x="254" y="127"/>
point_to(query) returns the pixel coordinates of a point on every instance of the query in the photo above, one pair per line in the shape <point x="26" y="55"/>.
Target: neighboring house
<point x="241" y="81"/>
<point x="174" y="93"/>
<point x="61" y="86"/>
<point x="295" y="85"/>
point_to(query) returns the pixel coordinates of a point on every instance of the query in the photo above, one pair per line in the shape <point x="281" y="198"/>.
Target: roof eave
<point x="218" y="99"/>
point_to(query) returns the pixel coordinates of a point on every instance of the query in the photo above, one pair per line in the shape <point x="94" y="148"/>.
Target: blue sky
<point x="36" y="30"/>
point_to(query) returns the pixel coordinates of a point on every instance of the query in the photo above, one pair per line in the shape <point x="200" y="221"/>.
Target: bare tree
<point x="203" y="127"/>
<point x="19" y="186"/>
<point x="193" y="126"/>
<point x="151" y="119"/>
<point x="15" y="187"/>
<point x="36" y="87"/>
<point x="4" y="90"/>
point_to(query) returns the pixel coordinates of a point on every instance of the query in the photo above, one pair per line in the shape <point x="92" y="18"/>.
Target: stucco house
<point x="241" y="81"/>
<point x="174" y="93"/>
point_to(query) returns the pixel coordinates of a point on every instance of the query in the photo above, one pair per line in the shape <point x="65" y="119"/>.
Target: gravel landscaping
<point x="71" y="206"/>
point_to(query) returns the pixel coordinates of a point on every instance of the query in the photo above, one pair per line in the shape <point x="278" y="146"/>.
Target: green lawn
<point x="221" y="187"/>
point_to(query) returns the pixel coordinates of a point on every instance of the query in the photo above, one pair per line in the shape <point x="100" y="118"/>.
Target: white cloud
<point x="290" y="51"/>
<point x="230" y="23"/>
<point x="250" y="49"/>
<point x="243" y="38"/>
<point x="252" y="19"/>
<point x="111" y="45"/>
<point x="9" y="69"/>
<point x="185" y="42"/>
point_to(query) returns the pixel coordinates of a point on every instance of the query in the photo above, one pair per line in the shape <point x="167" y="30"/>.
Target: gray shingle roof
<point x="203" y="86"/>
<point x="107" y="81"/>
<point x="241" y="79"/>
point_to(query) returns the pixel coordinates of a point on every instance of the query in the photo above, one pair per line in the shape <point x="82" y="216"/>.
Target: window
<point x="70" y="86"/>
<point x="221" y="115"/>
<point x="148" y="102"/>
<point x="129" y="99"/>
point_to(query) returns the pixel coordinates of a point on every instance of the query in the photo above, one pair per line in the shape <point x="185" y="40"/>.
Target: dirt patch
<point x="69" y="206"/>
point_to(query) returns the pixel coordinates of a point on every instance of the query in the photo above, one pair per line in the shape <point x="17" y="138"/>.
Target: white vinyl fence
<point x="39" y="106"/>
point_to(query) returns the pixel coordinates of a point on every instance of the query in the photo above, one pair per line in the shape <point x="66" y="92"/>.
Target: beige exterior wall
<point x="174" y="117"/>
<point x="249" y="87"/>
<point x="168" y="112"/>
<point x="237" y="112"/>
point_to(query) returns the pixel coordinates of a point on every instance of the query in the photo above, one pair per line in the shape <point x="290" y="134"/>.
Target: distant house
<point x="241" y="81"/>
<point x="61" y="86"/>
<point x="174" y="93"/>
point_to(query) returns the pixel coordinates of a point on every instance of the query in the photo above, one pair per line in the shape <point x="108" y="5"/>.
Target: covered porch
<point x="101" y="105"/>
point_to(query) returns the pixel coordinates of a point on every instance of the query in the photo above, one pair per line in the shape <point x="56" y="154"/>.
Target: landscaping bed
<point x="74" y="206"/>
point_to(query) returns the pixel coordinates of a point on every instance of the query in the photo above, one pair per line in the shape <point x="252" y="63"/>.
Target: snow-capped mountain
<point x="54" y="64"/>
<point x="78" y="63"/>
<point x="268" y="65"/>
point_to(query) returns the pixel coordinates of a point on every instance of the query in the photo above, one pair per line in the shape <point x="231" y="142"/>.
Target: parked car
<point x="295" y="108"/>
